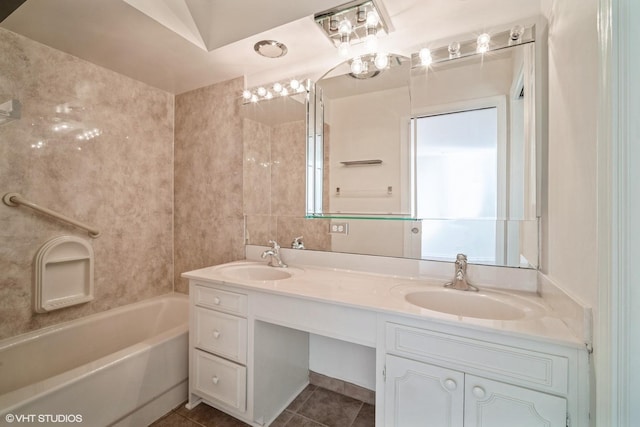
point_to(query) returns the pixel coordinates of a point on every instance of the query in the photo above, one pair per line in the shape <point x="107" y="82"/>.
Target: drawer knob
<point x="216" y="301"/>
<point x="450" y="384"/>
<point x="215" y="380"/>
<point x="216" y="334"/>
<point x="479" y="392"/>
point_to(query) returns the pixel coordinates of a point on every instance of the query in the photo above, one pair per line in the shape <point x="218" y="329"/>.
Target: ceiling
<point x="180" y="45"/>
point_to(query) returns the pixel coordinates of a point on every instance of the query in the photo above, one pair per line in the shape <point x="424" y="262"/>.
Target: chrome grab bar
<point x="16" y="199"/>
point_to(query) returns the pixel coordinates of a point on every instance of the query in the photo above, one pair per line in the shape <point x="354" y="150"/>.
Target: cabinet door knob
<point x="216" y="334"/>
<point x="216" y="301"/>
<point x="215" y="380"/>
<point x="479" y="392"/>
<point x="450" y="384"/>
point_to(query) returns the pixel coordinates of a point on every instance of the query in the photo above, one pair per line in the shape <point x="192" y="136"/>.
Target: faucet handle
<point x="274" y="245"/>
<point x="297" y="243"/>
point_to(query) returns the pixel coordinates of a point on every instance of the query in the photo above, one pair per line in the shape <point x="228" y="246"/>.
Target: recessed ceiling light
<point x="270" y="48"/>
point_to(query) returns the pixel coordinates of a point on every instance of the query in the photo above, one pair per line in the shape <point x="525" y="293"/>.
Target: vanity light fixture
<point x="483" y="44"/>
<point x="353" y="23"/>
<point x="267" y="92"/>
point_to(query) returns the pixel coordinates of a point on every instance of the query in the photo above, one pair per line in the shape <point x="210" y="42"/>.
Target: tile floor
<point x="314" y="407"/>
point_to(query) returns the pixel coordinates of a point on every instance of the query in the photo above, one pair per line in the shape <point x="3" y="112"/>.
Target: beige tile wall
<point x="274" y="193"/>
<point x="120" y="181"/>
<point x="209" y="220"/>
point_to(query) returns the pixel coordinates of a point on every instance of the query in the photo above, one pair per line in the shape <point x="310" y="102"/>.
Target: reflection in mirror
<point x="436" y="206"/>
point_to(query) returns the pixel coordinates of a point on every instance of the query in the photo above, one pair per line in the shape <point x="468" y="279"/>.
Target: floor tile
<point x="366" y="417"/>
<point x="301" y="398"/>
<point x="174" y="420"/>
<point x="330" y="408"/>
<point x="282" y="419"/>
<point x="300" y="421"/>
<point x="210" y="417"/>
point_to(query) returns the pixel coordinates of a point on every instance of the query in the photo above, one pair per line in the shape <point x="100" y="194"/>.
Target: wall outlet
<point x="339" y="228"/>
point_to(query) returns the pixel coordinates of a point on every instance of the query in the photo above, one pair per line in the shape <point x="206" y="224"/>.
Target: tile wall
<point x="96" y="146"/>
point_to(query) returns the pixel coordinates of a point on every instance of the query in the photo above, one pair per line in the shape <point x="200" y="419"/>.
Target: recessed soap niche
<point x="63" y="274"/>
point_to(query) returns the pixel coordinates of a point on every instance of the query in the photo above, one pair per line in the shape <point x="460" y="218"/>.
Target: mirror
<point x="445" y="154"/>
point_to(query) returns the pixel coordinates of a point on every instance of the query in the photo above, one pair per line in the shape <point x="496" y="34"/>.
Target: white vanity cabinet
<point x="439" y="379"/>
<point x="218" y="347"/>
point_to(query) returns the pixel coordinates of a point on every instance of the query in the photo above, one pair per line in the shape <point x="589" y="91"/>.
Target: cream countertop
<point x="385" y="294"/>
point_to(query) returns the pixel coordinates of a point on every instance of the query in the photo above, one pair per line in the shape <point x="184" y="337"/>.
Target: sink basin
<point x="256" y="272"/>
<point x="480" y="305"/>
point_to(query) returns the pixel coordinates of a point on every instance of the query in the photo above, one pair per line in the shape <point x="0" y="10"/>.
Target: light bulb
<point x="381" y="61"/>
<point x="246" y="94"/>
<point x="371" y="43"/>
<point x="454" y="49"/>
<point x="344" y="49"/>
<point x="372" y="19"/>
<point x="294" y="84"/>
<point x="254" y="98"/>
<point x="269" y="95"/>
<point x="300" y="89"/>
<point x="483" y="43"/>
<point x="277" y="87"/>
<point x="357" y="66"/>
<point x="516" y="33"/>
<point x="425" y="56"/>
<point x="284" y="92"/>
<point x="262" y="91"/>
<point x="344" y="27"/>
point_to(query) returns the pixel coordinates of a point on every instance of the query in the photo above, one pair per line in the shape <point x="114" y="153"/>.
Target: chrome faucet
<point x="274" y="252"/>
<point x="460" y="282"/>
<point x="297" y="243"/>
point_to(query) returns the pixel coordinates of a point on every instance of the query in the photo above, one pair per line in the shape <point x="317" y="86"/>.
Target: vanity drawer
<point x="217" y="299"/>
<point x="221" y="333"/>
<point x="220" y="380"/>
<point x="529" y="368"/>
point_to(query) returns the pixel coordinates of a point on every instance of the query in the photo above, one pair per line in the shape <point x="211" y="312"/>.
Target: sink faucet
<point x="460" y="282"/>
<point x="274" y="252"/>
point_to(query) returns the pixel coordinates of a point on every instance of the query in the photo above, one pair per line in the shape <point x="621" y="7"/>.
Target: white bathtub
<point x="126" y="366"/>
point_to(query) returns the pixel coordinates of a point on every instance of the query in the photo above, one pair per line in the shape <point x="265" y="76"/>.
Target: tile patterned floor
<point x="314" y="407"/>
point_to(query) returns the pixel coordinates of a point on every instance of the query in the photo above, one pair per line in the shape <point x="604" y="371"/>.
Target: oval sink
<point x="255" y="272"/>
<point x="481" y="305"/>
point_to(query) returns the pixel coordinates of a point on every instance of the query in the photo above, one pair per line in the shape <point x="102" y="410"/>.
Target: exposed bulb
<point x="371" y="43"/>
<point x="357" y="66"/>
<point x="277" y="87"/>
<point x="382" y="61"/>
<point x="295" y="84"/>
<point x="372" y="19"/>
<point x="345" y="27"/>
<point x="516" y="33"/>
<point x="262" y="91"/>
<point x="254" y="98"/>
<point x="344" y="49"/>
<point x="454" y="49"/>
<point x="425" y="56"/>
<point x="284" y="92"/>
<point x="269" y="95"/>
<point x="483" y="43"/>
<point x="246" y="94"/>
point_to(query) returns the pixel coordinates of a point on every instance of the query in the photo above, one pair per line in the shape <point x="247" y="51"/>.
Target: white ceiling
<point x="180" y="45"/>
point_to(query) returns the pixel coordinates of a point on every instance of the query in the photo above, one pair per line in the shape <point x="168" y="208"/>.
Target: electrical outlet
<point x="339" y="228"/>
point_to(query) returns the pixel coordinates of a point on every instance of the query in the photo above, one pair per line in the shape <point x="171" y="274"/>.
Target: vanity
<point x="505" y="356"/>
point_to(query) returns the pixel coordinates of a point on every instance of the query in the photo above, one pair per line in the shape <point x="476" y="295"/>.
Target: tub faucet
<point x="297" y="243"/>
<point x="274" y="252"/>
<point x="460" y="282"/>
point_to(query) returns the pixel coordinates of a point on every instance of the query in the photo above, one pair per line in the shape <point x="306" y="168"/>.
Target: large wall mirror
<point x="443" y="155"/>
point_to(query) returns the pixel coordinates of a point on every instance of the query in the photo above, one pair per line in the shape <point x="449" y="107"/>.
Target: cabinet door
<point x="418" y="394"/>
<point x="494" y="404"/>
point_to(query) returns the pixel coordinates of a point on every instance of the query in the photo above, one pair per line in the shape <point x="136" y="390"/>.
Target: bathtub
<point x="126" y="366"/>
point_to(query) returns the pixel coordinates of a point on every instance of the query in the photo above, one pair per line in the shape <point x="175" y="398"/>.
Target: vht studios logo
<point x="43" y="418"/>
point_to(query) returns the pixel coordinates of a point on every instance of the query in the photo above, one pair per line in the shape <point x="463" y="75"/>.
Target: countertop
<point x="386" y="294"/>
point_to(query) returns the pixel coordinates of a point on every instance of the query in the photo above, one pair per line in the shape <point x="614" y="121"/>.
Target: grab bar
<point x="15" y="199"/>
